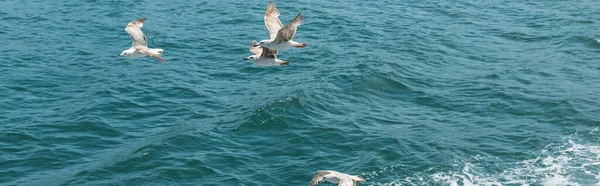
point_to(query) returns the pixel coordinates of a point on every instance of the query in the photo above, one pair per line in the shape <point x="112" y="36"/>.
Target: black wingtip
<point x="300" y="17"/>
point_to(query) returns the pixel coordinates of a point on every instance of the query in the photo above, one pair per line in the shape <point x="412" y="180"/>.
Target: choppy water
<point x="400" y="92"/>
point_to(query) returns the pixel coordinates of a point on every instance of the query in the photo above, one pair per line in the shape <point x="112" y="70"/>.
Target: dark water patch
<point x="107" y="159"/>
<point x="379" y="84"/>
<point x="10" y="18"/>
<point x="519" y="36"/>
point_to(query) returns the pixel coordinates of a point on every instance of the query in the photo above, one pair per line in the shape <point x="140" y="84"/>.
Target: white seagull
<point x="335" y="177"/>
<point x="264" y="56"/>
<point x="139" y="48"/>
<point x="281" y="37"/>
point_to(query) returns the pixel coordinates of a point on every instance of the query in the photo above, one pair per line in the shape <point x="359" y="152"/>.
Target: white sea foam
<point x="575" y="162"/>
<point x="572" y="163"/>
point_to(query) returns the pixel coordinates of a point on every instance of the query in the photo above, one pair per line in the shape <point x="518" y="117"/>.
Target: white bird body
<point x="139" y="47"/>
<point x="133" y="53"/>
<point x="260" y="61"/>
<point x="331" y="180"/>
<point x="335" y="177"/>
<point x="264" y="56"/>
<point x="273" y="45"/>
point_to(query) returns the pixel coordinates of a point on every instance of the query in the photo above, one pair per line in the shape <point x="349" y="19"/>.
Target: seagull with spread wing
<point x="281" y="36"/>
<point x="139" y="47"/>
<point x="264" y="56"/>
<point x="335" y="177"/>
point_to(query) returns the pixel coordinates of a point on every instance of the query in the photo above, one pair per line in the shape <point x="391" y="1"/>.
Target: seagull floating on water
<point x="264" y="56"/>
<point x="139" y="47"/>
<point x="280" y="36"/>
<point x="335" y="177"/>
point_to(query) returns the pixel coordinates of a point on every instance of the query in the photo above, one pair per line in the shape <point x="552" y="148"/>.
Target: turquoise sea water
<point x="400" y="92"/>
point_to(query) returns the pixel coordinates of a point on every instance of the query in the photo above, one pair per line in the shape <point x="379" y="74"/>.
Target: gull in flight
<point x="335" y="177"/>
<point x="264" y="56"/>
<point x="280" y="36"/>
<point x="139" y="48"/>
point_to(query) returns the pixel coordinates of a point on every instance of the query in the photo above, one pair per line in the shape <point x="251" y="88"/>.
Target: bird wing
<point x="318" y="178"/>
<point x="256" y="49"/>
<point x="287" y="33"/>
<point x="145" y="50"/>
<point x="346" y="182"/>
<point x="268" y="53"/>
<point x="134" y="29"/>
<point x="272" y="20"/>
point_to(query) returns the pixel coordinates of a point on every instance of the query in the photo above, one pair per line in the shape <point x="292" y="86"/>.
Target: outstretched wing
<point x="145" y="50"/>
<point x="287" y="33"/>
<point x="347" y="182"/>
<point x="256" y="49"/>
<point x="134" y="29"/>
<point x="318" y="178"/>
<point x="272" y="20"/>
<point x="268" y="53"/>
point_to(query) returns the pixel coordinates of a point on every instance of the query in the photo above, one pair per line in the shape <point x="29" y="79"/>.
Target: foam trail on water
<point x="575" y="161"/>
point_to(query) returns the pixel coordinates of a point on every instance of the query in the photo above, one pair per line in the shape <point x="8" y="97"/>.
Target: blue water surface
<point x="399" y="92"/>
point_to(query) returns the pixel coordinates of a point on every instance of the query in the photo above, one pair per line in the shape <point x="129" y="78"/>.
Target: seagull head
<point x="252" y="57"/>
<point x="264" y="43"/>
<point x="127" y="52"/>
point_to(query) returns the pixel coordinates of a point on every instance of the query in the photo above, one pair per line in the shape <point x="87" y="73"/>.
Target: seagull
<point x="280" y="36"/>
<point x="264" y="56"/>
<point x="139" y="48"/>
<point x="335" y="177"/>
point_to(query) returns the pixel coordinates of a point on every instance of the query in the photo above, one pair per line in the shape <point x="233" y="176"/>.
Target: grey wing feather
<point x="347" y="182"/>
<point x="146" y="51"/>
<point x="137" y="36"/>
<point x="272" y="20"/>
<point x="287" y="33"/>
<point x="268" y="53"/>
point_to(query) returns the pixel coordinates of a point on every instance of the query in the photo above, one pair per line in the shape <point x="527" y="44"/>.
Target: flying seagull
<point x="335" y="177"/>
<point x="280" y="36"/>
<point x="264" y="56"/>
<point x="139" y="48"/>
